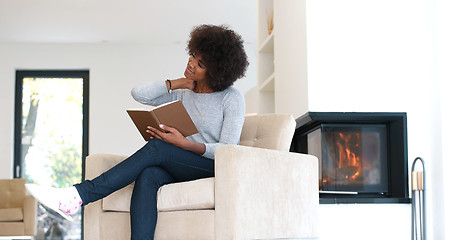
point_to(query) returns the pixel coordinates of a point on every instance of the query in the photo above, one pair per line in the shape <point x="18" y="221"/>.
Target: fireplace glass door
<point x="353" y="157"/>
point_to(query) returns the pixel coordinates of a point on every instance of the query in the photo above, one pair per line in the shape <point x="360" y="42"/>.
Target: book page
<point x="151" y="107"/>
<point x="164" y="104"/>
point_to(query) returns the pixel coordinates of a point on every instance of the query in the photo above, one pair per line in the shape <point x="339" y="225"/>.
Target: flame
<point x="352" y="158"/>
<point x="349" y="160"/>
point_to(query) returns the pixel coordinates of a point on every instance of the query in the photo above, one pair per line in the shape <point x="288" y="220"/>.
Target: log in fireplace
<point x="362" y="156"/>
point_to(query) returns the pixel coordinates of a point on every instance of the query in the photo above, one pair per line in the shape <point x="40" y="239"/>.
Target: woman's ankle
<point x="70" y="201"/>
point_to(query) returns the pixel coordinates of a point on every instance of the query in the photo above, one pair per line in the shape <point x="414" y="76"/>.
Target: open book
<point x="172" y="114"/>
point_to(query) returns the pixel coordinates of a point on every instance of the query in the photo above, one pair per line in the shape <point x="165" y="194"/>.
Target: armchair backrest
<point x="12" y="193"/>
<point x="271" y="131"/>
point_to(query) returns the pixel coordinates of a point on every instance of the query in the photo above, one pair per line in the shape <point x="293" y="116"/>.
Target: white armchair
<point x="260" y="191"/>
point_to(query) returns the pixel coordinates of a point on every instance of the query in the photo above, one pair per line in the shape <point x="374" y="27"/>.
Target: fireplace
<point x="362" y="156"/>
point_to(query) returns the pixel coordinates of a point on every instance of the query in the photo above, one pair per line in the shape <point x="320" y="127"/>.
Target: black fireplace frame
<point x="397" y="151"/>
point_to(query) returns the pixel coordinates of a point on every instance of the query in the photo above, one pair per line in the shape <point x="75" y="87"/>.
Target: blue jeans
<point x="154" y="165"/>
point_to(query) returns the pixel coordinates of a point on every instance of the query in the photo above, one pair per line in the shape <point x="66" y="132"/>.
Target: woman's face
<point x="195" y="69"/>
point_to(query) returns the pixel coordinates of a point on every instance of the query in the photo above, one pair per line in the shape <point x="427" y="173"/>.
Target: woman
<point x="217" y="59"/>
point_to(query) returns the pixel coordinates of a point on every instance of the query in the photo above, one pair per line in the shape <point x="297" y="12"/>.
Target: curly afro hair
<point x="223" y="54"/>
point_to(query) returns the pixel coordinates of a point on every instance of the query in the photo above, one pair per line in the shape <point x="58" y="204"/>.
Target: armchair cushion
<point x="193" y="195"/>
<point x="11" y="215"/>
<point x="12" y="193"/>
<point x="271" y="131"/>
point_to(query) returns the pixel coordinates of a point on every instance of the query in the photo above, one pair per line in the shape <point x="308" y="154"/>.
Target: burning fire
<point x="349" y="159"/>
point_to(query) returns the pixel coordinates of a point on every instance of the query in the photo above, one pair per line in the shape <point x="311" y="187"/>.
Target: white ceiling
<point x="120" y="21"/>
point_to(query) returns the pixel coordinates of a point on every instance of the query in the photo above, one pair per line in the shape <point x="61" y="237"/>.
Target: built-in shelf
<point x="266" y="58"/>
<point x="264" y="93"/>
<point x="268" y="85"/>
<point x="281" y="58"/>
<point x="267" y="45"/>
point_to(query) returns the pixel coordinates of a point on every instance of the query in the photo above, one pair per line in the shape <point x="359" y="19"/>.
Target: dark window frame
<point x="20" y="75"/>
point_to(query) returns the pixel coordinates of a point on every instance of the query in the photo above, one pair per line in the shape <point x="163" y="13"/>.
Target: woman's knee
<point x="155" y="176"/>
<point x="156" y="143"/>
<point x="159" y="148"/>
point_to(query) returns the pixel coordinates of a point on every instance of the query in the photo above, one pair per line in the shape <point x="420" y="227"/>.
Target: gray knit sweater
<point x="218" y="116"/>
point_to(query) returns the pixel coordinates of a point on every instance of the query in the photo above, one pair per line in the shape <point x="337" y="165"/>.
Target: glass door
<point x="51" y="141"/>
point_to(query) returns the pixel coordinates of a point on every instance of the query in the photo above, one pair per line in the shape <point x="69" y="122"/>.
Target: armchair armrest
<point x="95" y="165"/>
<point x="30" y="211"/>
<point x="265" y="194"/>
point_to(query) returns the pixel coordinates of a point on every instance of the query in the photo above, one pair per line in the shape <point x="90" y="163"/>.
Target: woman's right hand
<point x="182" y="83"/>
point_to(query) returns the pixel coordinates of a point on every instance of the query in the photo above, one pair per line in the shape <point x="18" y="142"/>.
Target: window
<point x="51" y="137"/>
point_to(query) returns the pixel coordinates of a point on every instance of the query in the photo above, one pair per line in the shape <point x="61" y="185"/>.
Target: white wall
<point x="381" y="56"/>
<point x="114" y="70"/>
<point x="446" y="62"/>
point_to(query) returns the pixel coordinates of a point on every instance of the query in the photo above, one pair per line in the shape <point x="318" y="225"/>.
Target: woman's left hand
<point x="171" y="135"/>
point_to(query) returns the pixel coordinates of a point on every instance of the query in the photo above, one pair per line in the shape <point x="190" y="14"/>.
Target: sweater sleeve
<point x="233" y="118"/>
<point x="152" y="93"/>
